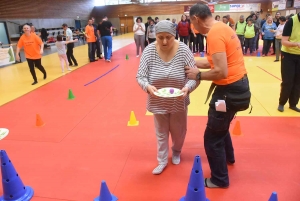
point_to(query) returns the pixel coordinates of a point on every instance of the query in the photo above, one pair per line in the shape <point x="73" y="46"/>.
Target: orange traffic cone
<point x="132" y="121"/>
<point x="237" y="129"/>
<point x="39" y="121"/>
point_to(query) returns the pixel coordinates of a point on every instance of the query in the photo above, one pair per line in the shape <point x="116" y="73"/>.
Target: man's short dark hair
<point x="200" y="10"/>
<point x="149" y="18"/>
<point x="64" y="25"/>
<point x="282" y="18"/>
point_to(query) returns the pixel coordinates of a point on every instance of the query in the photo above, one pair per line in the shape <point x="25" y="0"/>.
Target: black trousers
<point x="91" y="51"/>
<point x="184" y="39"/>
<point x="98" y="48"/>
<point x="70" y="55"/>
<point x="242" y="41"/>
<point x="217" y="141"/>
<point x="151" y="40"/>
<point x="290" y="74"/>
<point x="266" y="46"/>
<point x="38" y="64"/>
<point x="198" y="44"/>
<point x="273" y="45"/>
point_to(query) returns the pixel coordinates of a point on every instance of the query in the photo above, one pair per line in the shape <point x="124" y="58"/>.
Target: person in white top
<point x="69" y="37"/>
<point x="278" y="35"/>
<point x="61" y="51"/>
<point x="139" y="35"/>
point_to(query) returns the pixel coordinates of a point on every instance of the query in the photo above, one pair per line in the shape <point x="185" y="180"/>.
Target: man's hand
<point x="191" y="73"/>
<point x="17" y="57"/>
<point x="151" y="89"/>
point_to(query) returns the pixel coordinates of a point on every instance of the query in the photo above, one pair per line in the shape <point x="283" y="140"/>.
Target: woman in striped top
<point x="162" y="65"/>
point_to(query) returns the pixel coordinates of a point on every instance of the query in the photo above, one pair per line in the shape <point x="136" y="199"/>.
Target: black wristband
<point x="198" y="77"/>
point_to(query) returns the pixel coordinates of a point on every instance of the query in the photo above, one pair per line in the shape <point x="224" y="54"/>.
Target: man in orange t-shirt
<point x="91" y="40"/>
<point x="229" y="76"/>
<point x="33" y="48"/>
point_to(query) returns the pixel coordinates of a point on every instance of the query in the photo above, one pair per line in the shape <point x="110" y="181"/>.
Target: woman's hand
<point x="185" y="91"/>
<point x="151" y="89"/>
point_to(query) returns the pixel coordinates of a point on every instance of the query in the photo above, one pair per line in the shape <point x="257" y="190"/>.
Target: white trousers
<point x="63" y="59"/>
<point x="176" y="124"/>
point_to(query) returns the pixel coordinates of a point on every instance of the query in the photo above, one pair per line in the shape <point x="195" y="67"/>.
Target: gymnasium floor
<point x="87" y="140"/>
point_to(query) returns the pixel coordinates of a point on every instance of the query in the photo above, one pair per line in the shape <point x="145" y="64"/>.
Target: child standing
<point x="61" y="50"/>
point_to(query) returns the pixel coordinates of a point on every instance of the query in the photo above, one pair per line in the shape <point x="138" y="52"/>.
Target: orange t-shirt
<point x="32" y="46"/>
<point x="89" y="30"/>
<point x="231" y="21"/>
<point x="193" y="28"/>
<point x="222" y="38"/>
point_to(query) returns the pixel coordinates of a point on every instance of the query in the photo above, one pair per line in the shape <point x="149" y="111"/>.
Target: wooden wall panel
<point x="47" y="9"/>
<point x="145" y="10"/>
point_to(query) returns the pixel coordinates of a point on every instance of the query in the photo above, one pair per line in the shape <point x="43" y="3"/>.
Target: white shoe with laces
<point x="159" y="169"/>
<point x="176" y="159"/>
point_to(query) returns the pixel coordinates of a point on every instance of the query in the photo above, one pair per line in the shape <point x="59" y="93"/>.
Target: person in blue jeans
<point x="105" y="29"/>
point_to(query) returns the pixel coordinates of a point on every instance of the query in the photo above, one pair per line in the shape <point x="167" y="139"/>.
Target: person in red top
<point x="183" y="29"/>
<point x="232" y="93"/>
<point x="33" y="48"/>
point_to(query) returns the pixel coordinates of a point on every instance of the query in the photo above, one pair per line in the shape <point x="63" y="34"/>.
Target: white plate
<point x="3" y="133"/>
<point x="167" y="92"/>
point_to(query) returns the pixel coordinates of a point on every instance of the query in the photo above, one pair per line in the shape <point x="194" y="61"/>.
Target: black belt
<point x="213" y="86"/>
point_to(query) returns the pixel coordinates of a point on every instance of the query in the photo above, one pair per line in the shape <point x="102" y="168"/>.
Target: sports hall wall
<point x="51" y="14"/>
<point x="160" y="10"/>
<point x="43" y="13"/>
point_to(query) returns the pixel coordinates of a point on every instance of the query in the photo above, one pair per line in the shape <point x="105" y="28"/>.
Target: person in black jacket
<point x="98" y="40"/>
<point x="44" y="36"/>
<point x="146" y="26"/>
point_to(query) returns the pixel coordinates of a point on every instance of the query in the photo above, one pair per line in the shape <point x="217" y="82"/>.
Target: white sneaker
<point x="159" y="169"/>
<point x="137" y="55"/>
<point x="69" y="69"/>
<point x="176" y="159"/>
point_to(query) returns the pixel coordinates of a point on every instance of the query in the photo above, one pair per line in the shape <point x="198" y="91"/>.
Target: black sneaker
<point x="295" y="108"/>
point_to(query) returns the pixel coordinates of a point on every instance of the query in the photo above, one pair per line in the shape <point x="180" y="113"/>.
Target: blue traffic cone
<point x="258" y="54"/>
<point x="195" y="190"/>
<point x="13" y="187"/>
<point x="105" y="195"/>
<point x="273" y="197"/>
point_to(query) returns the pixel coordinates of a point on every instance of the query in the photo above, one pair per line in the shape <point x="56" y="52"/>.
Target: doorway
<point x="126" y="24"/>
